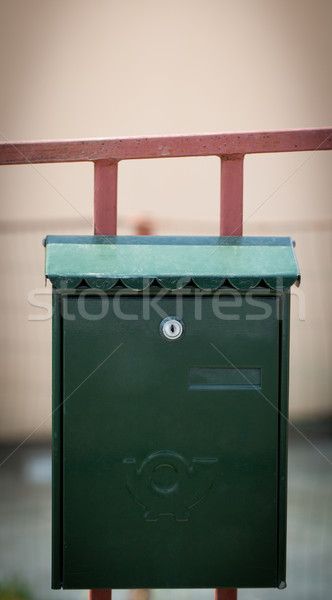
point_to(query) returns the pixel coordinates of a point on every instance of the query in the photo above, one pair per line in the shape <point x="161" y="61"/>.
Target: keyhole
<point x="171" y="328"/>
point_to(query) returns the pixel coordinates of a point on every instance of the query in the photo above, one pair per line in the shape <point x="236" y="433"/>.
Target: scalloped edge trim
<point x="174" y="283"/>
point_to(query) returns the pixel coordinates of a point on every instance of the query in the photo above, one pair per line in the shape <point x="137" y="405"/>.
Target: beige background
<point x="78" y="68"/>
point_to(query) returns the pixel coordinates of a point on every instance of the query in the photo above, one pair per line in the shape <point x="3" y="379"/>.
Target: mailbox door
<point x="170" y="448"/>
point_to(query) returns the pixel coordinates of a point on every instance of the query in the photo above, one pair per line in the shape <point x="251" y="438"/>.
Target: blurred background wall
<point x="77" y="69"/>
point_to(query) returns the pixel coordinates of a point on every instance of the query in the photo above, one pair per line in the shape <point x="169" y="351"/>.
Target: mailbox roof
<point x="171" y="262"/>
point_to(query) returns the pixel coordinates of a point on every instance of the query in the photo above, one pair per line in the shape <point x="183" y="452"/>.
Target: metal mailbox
<point x="170" y="396"/>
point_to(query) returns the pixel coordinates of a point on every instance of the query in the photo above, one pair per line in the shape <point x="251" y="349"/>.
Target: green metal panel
<point x="283" y="434"/>
<point x="137" y="262"/>
<point x="164" y="485"/>
<point x="57" y="413"/>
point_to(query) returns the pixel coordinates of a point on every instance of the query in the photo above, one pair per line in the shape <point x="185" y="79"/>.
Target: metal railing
<point x="231" y="148"/>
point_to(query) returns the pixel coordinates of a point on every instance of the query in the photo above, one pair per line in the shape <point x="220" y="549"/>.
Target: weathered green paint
<point x="173" y="262"/>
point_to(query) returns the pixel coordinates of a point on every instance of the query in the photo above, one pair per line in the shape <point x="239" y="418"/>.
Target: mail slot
<point x="170" y="396"/>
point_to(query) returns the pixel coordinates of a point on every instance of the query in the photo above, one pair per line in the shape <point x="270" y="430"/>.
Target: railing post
<point x="100" y="594"/>
<point x="105" y="223"/>
<point x="231" y="223"/>
<point x="105" y="197"/>
<point x="225" y="594"/>
<point x="231" y="194"/>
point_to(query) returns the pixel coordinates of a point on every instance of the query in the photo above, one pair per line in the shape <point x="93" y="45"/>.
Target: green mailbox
<point x="170" y="395"/>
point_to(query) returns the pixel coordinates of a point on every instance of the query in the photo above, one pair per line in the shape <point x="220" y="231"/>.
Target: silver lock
<point x="171" y="328"/>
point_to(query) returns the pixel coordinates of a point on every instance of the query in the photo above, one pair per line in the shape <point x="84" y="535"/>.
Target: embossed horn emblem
<point x="167" y="484"/>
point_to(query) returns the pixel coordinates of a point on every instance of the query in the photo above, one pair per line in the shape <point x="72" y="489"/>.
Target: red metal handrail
<point x="115" y="149"/>
<point x="106" y="153"/>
